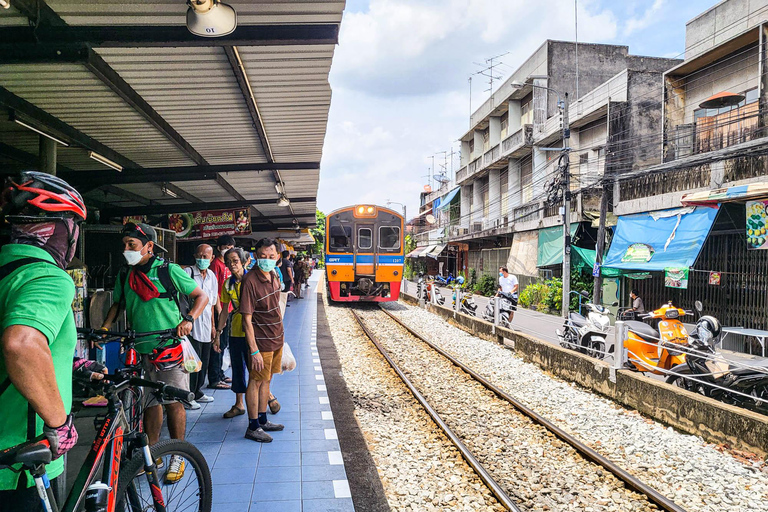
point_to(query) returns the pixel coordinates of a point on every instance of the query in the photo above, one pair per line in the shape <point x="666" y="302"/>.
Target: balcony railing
<point x="647" y="185"/>
<point x="522" y="137"/>
<point x="462" y="174"/>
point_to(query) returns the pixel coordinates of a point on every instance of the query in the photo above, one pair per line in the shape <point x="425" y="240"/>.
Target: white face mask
<point x="132" y="257"/>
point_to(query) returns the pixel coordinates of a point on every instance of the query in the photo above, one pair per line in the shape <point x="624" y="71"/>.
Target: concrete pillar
<point x="47" y="155"/>
<point x="465" y="157"/>
<point x="494" y="125"/>
<point x="514" y="116"/>
<point x="477" y="201"/>
<point x="540" y="170"/>
<point x="466" y="192"/>
<point x="494" y="196"/>
<point x="478" y="145"/>
<point x="513" y="185"/>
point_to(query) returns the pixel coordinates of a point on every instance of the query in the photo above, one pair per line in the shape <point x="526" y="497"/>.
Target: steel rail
<point x="588" y="453"/>
<point x="495" y="488"/>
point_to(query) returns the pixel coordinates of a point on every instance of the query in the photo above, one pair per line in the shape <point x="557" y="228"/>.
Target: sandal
<point x="234" y="411"/>
<point x="228" y="380"/>
<point x="274" y="405"/>
<point x="219" y="385"/>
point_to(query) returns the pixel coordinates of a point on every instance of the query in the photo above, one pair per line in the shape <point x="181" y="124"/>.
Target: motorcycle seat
<point x="577" y="319"/>
<point x="643" y="330"/>
<point x="737" y="370"/>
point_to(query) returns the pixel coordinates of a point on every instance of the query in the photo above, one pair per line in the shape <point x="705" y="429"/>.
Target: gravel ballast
<point x="696" y="475"/>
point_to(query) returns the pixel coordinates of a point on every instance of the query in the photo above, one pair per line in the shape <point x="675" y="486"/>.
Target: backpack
<point x="171" y="292"/>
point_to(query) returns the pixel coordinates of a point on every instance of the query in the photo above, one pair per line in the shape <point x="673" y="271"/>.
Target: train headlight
<point x="361" y="209"/>
<point x="396" y="273"/>
<point x="334" y="272"/>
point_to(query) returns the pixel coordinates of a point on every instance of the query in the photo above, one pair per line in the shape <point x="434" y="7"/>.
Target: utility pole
<point x="565" y="162"/>
<point x="597" y="294"/>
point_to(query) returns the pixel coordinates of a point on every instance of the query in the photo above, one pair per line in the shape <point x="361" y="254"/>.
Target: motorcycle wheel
<point x="596" y="349"/>
<point x="567" y="341"/>
<point x="681" y="382"/>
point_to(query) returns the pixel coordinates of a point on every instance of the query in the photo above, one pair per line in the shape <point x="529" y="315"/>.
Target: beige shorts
<point x="175" y="377"/>
<point x="273" y="362"/>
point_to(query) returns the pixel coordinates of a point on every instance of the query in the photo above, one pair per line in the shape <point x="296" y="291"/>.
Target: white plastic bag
<point x="226" y="360"/>
<point x="288" y="362"/>
<point x="191" y="362"/>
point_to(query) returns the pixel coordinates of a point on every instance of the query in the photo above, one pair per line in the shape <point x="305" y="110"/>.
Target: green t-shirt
<point x="154" y="314"/>
<point x="37" y="295"/>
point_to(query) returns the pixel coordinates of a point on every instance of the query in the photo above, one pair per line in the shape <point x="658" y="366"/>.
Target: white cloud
<point x="650" y="16"/>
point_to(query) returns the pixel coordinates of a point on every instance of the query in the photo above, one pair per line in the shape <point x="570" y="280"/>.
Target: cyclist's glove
<point x="87" y="370"/>
<point x="63" y="438"/>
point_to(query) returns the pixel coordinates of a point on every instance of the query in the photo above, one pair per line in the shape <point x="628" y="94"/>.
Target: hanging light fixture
<point x="210" y="18"/>
<point x="283" y="200"/>
<point x="106" y="161"/>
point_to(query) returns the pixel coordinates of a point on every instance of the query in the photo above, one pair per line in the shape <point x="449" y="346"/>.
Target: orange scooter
<point x="653" y="347"/>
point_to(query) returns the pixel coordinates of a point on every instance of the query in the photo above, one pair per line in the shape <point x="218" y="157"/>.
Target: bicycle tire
<point x="134" y="466"/>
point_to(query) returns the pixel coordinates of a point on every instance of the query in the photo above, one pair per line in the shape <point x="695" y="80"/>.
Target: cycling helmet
<point x="38" y="196"/>
<point x="708" y="328"/>
<point x="460" y="279"/>
<point x="166" y="358"/>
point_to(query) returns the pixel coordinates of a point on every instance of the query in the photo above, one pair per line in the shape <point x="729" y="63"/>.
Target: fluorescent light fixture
<point x="106" y="161"/>
<point x="169" y="192"/>
<point x="5" y="4"/>
<point x="283" y="201"/>
<point x="210" y="18"/>
<point x="30" y="127"/>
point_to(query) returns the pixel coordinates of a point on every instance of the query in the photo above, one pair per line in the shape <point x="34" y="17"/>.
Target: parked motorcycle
<point x="700" y="364"/>
<point x="652" y="347"/>
<point x="431" y="288"/>
<point x="506" y="306"/>
<point x="587" y="334"/>
<point x="468" y="306"/>
<point x="444" y="281"/>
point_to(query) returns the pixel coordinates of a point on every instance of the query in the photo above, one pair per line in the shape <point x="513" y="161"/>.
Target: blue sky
<point x="399" y="77"/>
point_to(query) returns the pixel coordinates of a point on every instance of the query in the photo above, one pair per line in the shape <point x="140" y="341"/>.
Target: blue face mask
<point x="266" y="264"/>
<point x="203" y="263"/>
<point x="501" y="274"/>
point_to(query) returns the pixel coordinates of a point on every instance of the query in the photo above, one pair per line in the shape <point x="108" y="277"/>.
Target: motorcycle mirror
<point x="584" y="294"/>
<point x="699" y="306"/>
<point x="615" y="303"/>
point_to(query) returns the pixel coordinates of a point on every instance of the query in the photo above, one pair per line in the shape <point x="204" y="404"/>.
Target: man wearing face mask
<point x="37" y="326"/>
<point x="151" y="305"/>
<point x="263" y="326"/>
<point x="203" y="330"/>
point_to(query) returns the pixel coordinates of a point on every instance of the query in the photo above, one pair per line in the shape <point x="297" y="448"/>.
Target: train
<point x="364" y="255"/>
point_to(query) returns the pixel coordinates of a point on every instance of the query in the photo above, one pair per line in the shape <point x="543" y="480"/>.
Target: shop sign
<point x="676" y="278"/>
<point x="639" y="276"/>
<point x="757" y="218"/>
<point x="136" y="219"/>
<point x="210" y="224"/>
<point x="638" y="253"/>
<point x="596" y="270"/>
<point x="715" y="278"/>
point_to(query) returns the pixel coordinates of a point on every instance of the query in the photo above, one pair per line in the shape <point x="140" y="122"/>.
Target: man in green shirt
<point x="151" y="306"/>
<point x="38" y="329"/>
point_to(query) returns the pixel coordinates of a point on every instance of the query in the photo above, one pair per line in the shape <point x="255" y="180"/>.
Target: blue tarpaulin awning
<point x="445" y="202"/>
<point x="659" y="240"/>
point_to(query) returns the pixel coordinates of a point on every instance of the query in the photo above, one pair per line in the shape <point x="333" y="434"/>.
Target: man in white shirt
<point x="203" y="329"/>
<point x="508" y="284"/>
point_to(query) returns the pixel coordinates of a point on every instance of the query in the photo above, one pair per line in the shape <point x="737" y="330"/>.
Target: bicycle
<point x="124" y="456"/>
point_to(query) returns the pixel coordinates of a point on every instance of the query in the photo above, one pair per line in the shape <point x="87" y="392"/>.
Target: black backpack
<point x="171" y="292"/>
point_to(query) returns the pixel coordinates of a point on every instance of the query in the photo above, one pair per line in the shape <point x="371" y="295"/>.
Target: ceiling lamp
<point x="106" y="161"/>
<point x="283" y="200"/>
<point x="210" y="18"/>
<point x="29" y="126"/>
<point x="722" y="99"/>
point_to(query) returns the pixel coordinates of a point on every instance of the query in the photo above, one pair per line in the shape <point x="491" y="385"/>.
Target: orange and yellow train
<point x="364" y="253"/>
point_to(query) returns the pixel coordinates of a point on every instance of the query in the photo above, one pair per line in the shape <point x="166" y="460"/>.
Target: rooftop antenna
<point x="487" y="72"/>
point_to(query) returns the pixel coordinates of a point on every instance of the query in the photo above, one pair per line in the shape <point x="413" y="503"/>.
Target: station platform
<point x="302" y="469"/>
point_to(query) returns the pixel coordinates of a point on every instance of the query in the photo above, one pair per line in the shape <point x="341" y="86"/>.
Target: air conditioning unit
<point x="477" y="227"/>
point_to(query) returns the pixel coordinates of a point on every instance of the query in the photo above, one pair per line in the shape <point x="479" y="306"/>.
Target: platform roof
<point x="193" y="121"/>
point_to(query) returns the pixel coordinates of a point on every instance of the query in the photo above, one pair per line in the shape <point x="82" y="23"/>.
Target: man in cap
<point x="150" y="291"/>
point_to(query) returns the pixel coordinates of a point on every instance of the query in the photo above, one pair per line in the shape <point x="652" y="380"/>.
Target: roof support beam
<point x="192" y="207"/>
<point x="190" y="173"/>
<point x="132" y="36"/>
<point x="72" y="135"/>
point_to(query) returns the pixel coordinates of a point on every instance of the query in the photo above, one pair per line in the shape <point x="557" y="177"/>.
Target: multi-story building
<point x="501" y="210"/>
<point x="714" y="137"/>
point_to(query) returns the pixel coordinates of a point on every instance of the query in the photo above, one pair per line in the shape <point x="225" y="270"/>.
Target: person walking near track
<point x="508" y="284"/>
<point x="263" y="325"/>
<point x="216" y="377"/>
<point x="150" y="293"/>
<point x="203" y="330"/>
<point x="38" y="328"/>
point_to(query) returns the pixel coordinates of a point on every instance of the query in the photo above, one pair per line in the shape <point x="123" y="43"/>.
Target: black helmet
<point x="708" y="324"/>
<point x="38" y="196"/>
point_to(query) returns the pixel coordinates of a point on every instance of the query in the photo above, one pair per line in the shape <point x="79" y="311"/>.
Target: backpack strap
<point x="10" y="268"/>
<point x="171" y="292"/>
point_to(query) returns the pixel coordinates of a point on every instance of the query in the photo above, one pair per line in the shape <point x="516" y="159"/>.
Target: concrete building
<point x="510" y="153"/>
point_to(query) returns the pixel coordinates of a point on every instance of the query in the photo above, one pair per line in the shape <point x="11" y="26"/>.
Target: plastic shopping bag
<point x="191" y="362"/>
<point x="289" y="362"/>
<point x="226" y="360"/>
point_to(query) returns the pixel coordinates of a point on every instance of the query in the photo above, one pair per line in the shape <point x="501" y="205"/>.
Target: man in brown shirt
<point x="263" y="326"/>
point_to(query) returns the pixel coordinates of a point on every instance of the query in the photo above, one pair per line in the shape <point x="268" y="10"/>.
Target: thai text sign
<point x="210" y="224"/>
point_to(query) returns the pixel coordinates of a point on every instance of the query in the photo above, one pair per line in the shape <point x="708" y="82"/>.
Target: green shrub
<point x="533" y="295"/>
<point x="553" y="300"/>
<point x="487" y="286"/>
<point x="472" y="277"/>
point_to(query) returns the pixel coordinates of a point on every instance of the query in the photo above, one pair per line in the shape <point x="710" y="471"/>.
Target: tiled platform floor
<point x="302" y="469"/>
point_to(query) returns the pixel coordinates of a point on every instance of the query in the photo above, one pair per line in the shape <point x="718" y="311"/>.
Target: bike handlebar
<point x="167" y="391"/>
<point x="130" y="334"/>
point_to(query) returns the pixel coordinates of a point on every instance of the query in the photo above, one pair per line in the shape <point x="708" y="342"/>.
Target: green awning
<point x="584" y="259"/>
<point x="551" y="245"/>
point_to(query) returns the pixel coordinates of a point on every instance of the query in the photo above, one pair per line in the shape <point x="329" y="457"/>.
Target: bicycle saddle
<point x="32" y="455"/>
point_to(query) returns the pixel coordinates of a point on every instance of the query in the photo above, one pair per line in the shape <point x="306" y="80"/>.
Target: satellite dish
<point x="442" y="179"/>
<point x="430" y="219"/>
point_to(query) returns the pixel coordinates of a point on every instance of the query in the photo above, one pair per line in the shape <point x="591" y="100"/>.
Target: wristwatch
<point x="189" y="318"/>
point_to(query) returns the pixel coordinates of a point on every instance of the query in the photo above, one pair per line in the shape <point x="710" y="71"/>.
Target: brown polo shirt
<point x="261" y="299"/>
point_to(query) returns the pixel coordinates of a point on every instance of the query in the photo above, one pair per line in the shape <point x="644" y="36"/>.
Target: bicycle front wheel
<point x="185" y="480"/>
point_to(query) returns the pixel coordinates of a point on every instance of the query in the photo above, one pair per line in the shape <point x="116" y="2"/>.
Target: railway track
<point x="528" y="432"/>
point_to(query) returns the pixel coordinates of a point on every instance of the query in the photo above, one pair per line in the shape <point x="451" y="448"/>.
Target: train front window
<point x="389" y="237"/>
<point x="364" y="238"/>
<point x="340" y="238"/>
